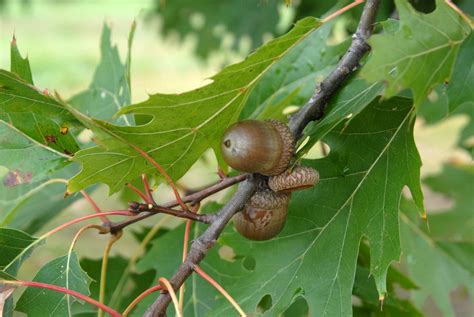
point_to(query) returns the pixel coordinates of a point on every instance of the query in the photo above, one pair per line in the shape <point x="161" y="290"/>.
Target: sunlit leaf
<point x="183" y="125"/>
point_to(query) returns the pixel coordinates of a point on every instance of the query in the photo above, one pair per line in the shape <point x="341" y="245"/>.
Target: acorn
<point x="253" y="146"/>
<point x="298" y="178"/>
<point x="263" y="216"/>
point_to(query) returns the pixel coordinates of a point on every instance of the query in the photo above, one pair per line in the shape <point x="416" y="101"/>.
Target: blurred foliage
<point x="211" y="22"/>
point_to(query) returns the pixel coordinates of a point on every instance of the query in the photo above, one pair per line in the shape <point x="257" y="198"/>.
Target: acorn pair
<point x="265" y="147"/>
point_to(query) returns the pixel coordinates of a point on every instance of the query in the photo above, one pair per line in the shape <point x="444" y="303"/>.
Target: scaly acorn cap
<point x="298" y="178"/>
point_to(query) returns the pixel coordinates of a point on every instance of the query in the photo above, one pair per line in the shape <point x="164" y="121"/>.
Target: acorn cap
<point x="266" y="199"/>
<point x="288" y="148"/>
<point x="298" y="178"/>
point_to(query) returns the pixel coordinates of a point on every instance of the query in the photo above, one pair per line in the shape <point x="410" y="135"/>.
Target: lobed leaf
<point x="420" y="54"/>
<point x="110" y="86"/>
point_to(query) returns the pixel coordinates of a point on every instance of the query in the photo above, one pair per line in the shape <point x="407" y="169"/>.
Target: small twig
<point x="150" y="199"/>
<point x="312" y="110"/>
<point x="139" y="298"/>
<point x="342" y="10"/>
<point x="193" y="199"/>
<point x="138" y="192"/>
<point x="71" y="247"/>
<point x="103" y="270"/>
<point x="139" y="207"/>
<point x="211" y="281"/>
<point x="67" y="224"/>
<point x="166" y="285"/>
<point x="163" y="173"/>
<point x="94" y="205"/>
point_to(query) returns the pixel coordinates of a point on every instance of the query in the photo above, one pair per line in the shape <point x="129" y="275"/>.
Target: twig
<point x="147" y="190"/>
<point x="193" y="199"/>
<point x="166" y="284"/>
<point x="140" y="297"/>
<point x="138" y="192"/>
<point x="71" y="247"/>
<point x="312" y="110"/>
<point x="139" y="207"/>
<point x="103" y="270"/>
<point x="94" y="205"/>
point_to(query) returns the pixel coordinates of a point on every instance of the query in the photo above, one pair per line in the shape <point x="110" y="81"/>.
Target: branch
<point x="312" y="110"/>
<point x="154" y="209"/>
<point x="193" y="199"/>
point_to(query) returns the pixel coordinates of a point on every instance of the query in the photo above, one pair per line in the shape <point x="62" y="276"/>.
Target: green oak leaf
<point x="437" y="266"/>
<point x="61" y="272"/>
<point x="372" y="158"/>
<point x="182" y="126"/>
<point x="18" y="64"/>
<point x="110" y="87"/>
<point x="420" y="54"/>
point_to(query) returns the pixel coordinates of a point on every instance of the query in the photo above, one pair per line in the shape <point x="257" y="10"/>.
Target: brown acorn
<point x="264" y="215"/>
<point x="253" y="146"/>
<point x="298" y="178"/>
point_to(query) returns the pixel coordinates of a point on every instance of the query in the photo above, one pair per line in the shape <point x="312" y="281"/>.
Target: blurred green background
<point x="61" y="39"/>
